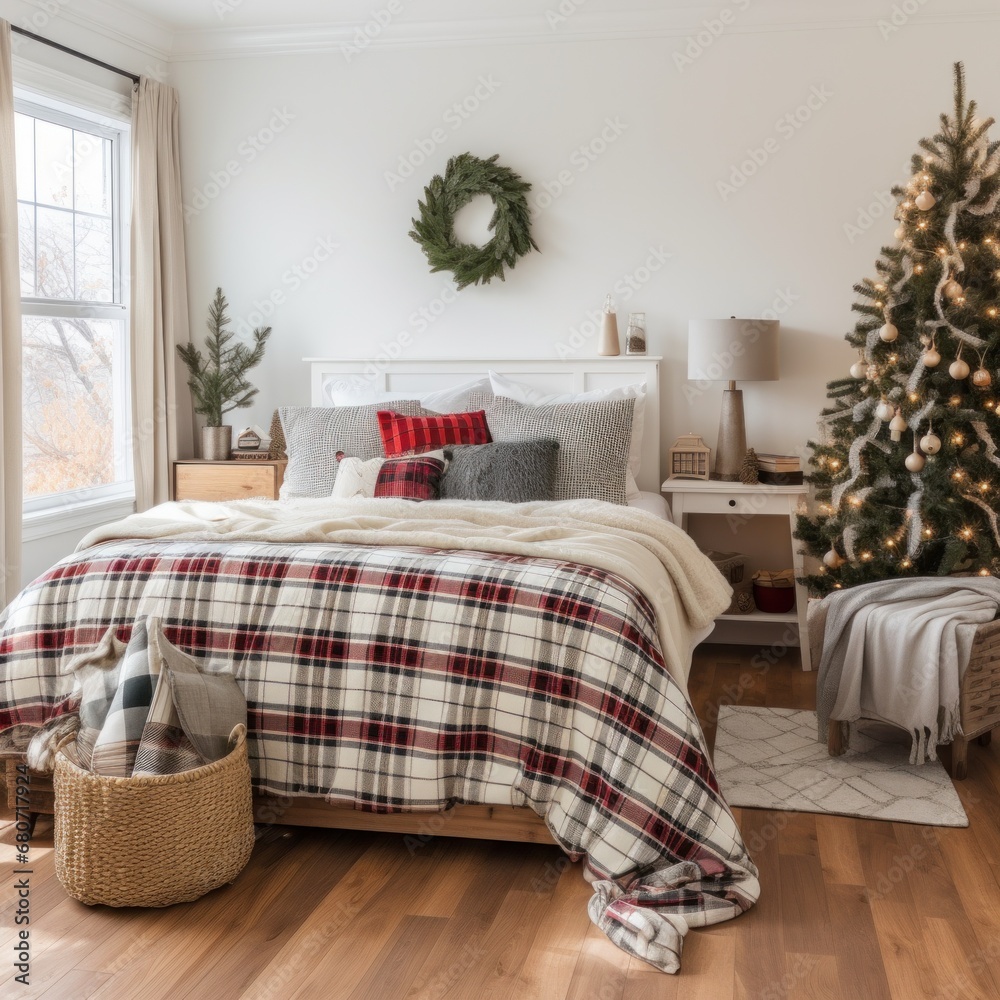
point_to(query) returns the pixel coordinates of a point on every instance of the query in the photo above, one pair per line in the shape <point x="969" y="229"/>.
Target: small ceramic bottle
<point x="608" y="346"/>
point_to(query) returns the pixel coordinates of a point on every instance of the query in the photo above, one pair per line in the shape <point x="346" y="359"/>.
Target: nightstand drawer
<point x="727" y="503"/>
<point x="234" y="480"/>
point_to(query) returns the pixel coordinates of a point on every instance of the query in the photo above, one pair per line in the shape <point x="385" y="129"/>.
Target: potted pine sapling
<point x="218" y="381"/>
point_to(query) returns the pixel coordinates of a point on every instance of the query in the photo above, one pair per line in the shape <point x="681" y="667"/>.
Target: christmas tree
<point x="907" y="478"/>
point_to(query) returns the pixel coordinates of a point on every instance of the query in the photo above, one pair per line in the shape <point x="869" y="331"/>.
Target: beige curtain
<point x="10" y="338"/>
<point x="161" y="404"/>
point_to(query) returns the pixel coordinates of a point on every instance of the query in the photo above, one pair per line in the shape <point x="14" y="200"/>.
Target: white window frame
<point x="55" y="512"/>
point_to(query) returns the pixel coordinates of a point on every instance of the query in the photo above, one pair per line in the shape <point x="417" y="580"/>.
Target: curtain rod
<point x="73" y="52"/>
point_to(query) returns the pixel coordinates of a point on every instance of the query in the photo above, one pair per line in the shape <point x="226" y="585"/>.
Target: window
<point x="72" y="184"/>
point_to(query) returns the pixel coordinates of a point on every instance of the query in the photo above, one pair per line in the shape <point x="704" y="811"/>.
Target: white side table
<point x="739" y="502"/>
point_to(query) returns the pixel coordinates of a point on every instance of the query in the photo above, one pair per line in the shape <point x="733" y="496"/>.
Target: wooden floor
<point x="849" y="909"/>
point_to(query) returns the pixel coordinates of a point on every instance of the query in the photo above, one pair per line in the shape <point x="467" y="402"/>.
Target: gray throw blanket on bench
<point x="896" y="650"/>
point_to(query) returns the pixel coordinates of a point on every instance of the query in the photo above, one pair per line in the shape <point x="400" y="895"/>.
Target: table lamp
<point x="732" y="350"/>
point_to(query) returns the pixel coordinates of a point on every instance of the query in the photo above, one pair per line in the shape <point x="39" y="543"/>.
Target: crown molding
<point x="112" y="21"/>
<point x="582" y="26"/>
<point x="119" y="22"/>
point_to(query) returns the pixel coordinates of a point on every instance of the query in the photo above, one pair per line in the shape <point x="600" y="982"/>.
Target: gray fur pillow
<point x="514" y="471"/>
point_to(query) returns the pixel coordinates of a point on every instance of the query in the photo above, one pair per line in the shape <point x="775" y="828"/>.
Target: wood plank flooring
<point x="850" y="909"/>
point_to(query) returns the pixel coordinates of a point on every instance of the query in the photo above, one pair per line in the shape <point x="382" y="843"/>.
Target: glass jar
<point x="635" y="336"/>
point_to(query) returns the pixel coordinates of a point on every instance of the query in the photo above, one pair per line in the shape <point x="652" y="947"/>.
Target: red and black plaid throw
<point x="402" y="435"/>
<point x="405" y="678"/>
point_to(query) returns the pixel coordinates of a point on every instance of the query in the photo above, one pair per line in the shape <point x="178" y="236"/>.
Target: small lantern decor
<point x="689" y="458"/>
<point x="248" y="440"/>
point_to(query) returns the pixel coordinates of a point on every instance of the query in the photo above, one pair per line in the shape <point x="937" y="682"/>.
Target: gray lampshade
<point x="739" y="350"/>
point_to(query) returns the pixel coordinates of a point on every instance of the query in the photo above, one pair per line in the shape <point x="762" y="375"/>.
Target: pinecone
<point x="748" y="470"/>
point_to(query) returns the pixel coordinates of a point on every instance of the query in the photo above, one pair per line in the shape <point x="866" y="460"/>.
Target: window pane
<point x="24" y="150"/>
<point x="53" y="164"/>
<point x="92" y="176"/>
<point x="68" y="404"/>
<point x="54" y="265"/>
<point x="26" y="247"/>
<point x="94" y="259"/>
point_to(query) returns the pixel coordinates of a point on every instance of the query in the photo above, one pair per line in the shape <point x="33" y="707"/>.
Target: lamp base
<point x="731" y="448"/>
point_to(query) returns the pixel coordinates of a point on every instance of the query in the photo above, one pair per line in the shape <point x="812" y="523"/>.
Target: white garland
<point x="916" y="522"/>
<point x="858" y="445"/>
<point x="991" y="514"/>
<point x="979" y="426"/>
<point x="849" y="534"/>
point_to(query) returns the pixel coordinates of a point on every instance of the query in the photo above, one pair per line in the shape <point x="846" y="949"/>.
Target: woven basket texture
<point x="153" y="840"/>
<point x="981" y="683"/>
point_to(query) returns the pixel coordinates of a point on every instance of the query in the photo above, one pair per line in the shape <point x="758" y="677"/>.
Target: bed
<point x="465" y="668"/>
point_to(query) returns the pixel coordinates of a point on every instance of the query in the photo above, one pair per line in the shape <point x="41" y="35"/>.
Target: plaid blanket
<point x="407" y="678"/>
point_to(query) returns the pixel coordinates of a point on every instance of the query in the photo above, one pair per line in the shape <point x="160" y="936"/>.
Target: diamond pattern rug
<point x="771" y="758"/>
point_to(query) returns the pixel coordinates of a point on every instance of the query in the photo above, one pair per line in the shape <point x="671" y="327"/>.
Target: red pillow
<point x="402" y="435"/>
<point x="410" y="478"/>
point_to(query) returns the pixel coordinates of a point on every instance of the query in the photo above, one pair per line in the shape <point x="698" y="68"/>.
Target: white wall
<point x="779" y="242"/>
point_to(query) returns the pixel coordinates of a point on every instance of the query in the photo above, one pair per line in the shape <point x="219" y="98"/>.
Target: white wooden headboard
<point x="420" y="375"/>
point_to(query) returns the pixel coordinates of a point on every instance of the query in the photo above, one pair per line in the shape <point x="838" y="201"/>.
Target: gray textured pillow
<point x="314" y="435"/>
<point x="593" y="441"/>
<point x="514" y="471"/>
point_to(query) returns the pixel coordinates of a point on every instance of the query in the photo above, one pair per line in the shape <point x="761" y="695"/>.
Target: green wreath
<point x="465" y="177"/>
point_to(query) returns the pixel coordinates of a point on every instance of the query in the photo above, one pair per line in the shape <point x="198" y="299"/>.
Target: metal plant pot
<point x="216" y="443"/>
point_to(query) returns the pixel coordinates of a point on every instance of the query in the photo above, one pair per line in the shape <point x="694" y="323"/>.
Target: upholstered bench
<point x="980" y="701"/>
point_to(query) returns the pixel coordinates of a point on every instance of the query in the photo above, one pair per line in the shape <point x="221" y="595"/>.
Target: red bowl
<point x="776" y="600"/>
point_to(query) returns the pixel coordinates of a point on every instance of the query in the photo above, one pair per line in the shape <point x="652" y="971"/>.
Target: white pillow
<point x="453" y="399"/>
<point x="356" y="478"/>
<point x="524" y="393"/>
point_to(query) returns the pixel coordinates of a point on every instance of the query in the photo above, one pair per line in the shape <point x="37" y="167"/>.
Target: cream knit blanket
<point x="657" y="557"/>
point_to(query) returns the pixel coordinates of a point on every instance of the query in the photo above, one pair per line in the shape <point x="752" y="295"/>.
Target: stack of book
<point x="779" y="470"/>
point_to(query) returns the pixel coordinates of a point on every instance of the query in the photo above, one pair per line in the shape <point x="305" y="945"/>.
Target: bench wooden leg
<point x="984" y="739"/>
<point x="959" y="758"/>
<point x="835" y="739"/>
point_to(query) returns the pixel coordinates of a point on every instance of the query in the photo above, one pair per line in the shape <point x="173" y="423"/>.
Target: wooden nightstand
<point x="740" y="502"/>
<point x="196" y="479"/>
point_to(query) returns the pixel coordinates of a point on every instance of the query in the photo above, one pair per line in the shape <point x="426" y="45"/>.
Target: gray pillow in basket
<point x="513" y="471"/>
<point x="593" y="437"/>
<point x="314" y="435"/>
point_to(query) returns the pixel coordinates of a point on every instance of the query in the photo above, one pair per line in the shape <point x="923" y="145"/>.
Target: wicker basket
<point x="156" y="840"/>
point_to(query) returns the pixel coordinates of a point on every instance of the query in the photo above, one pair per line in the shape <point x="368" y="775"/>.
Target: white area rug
<point x="771" y="758"/>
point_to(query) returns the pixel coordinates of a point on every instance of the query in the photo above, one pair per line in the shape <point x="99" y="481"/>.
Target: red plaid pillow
<point x="402" y="435"/>
<point x="410" y="478"/>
